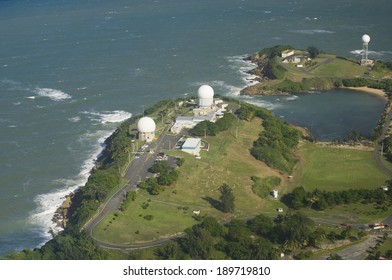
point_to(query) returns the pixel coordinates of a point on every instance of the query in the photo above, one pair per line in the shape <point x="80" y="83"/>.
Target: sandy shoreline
<point x="374" y="91"/>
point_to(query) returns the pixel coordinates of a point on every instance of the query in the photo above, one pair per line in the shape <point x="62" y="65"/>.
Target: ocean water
<point x="70" y="71"/>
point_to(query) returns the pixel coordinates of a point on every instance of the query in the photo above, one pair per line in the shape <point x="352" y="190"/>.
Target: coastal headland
<point x="284" y="70"/>
<point x="270" y="168"/>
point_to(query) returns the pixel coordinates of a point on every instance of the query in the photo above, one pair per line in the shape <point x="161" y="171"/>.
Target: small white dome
<point x="205" y="92"/>
<point x="366" y="38"/>
<point x="146" y="124"/>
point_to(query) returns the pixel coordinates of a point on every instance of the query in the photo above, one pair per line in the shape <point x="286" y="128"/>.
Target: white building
<point x="287" y="53"/>
<point x="275" y="194"/>
<point x="205" y="94"/>
<point x="146" y="128"/>
<point x="192" y="146"/>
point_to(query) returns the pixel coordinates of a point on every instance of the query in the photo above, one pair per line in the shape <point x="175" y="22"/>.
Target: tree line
<point x="166" y="175"/>
<point x="320" y="200"/>
<point x="276" y="143"/>
<point x="207" y="128"/>
<point x="259" y="238"/>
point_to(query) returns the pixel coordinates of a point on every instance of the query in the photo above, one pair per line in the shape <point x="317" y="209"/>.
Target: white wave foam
<point x="372" y="53"/>
<point x="313" y="31"/>
<point x="291" y="97"/>
<point x="261" y="103"/>
<point x="53" y="94"/>
<point x="74" y="119"/>
<point x="48" y="203"/>
<point x="108" y="116"/>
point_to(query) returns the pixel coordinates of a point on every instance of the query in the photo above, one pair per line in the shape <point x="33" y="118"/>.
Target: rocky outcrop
<point x="60" y="217"/>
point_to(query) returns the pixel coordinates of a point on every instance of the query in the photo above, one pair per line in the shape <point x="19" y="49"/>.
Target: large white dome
<point x="365" y="38"/>
<point x="146" y="124"/>
<point x="205" y="92"/>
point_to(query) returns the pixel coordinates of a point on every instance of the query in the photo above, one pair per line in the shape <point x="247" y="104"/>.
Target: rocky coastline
<point x="60" y="217"/>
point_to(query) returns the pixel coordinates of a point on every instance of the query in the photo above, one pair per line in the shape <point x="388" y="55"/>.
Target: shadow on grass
<point x="214" y="203"/>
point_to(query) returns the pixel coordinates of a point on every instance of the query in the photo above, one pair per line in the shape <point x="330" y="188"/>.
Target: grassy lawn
<point x="338" y="68"/>
<point x="337" y="169"/>
<point x="386" y="245"/>
<point x="227" y="161"/>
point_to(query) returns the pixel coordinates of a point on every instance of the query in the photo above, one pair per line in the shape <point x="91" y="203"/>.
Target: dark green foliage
<point x="275" y="144"/>
<point x="167" y="176"/>
<point x="198" y="243"/>
<point x="320" y="200"/>
<point x="160" y="167"/>
<point x="261" y="225"/>
<point x="169" y="251"/>
<point x="159" y="105"/>
<point x="387" y="149"/>
<point x="263" y="187"/>
<point x="275" y="51"/>
<point x="148" y="217"/>
<point x="206" y="128"/>
<point x="180" y="161"/>
<point x="226" y="122"/>
<point x="293" y="87"/>
<point x="67" y="245"/>
<point x="226" y="199"/>
<point x="313" y="51"/>
<point x="130" y="196"/>
<point x="293" y="230"/>
<point x="273" y="70"/>
<point x="167" y="179"/>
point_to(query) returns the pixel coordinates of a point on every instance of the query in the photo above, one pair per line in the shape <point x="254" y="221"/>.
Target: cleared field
<point x="227" y="161"/>
<point x="337" y="169"/>
<point x="331" y="66"/>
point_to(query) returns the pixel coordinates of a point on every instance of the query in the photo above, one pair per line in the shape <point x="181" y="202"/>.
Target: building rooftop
<point x="191" y="143"/>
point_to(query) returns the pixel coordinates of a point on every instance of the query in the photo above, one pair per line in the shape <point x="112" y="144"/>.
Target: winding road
<point x="138" y="170"/>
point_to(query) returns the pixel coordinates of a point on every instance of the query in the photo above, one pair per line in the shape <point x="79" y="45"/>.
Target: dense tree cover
<point x="166" y="176"/>
<point x="211" y="240"/>
<point x="259" y="238"/>
<point x="275" y="51"/>
<point x="227" y="199"/>
<point x="313" y="51"/>
<point x="211" y="129"/>
<point x="320" y="200"/>
<point x="159" y="105"/>
<point x="387" y="148"/>
<point x="276" y="143"/>
<point x="70" y="244"/>
<point x="380" y="65"/>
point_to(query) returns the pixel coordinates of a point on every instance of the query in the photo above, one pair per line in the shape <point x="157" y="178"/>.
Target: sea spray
<point x="48" y="204"/>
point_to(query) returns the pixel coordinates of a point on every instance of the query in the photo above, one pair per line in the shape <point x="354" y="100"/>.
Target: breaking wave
<point x="53" y="94"/>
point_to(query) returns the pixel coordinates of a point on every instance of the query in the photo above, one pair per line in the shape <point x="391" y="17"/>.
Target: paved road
<point x="136" y="172"/>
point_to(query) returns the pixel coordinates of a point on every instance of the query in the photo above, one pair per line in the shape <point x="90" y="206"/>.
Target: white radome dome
<point x="366" y="38"/>
<point x="146" y="124"/>
<point x="205" y="92"/>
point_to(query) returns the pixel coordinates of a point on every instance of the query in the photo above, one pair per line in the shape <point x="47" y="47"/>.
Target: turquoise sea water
<point x="70" y="71"/>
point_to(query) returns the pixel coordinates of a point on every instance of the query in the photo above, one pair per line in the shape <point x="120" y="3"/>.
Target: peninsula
<point x="284" y="69"/>
<point x="212" y="177"/>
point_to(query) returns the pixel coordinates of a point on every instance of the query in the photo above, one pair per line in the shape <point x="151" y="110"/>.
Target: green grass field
<point x="335" y="169"/>
<point x="227" y="161"/>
